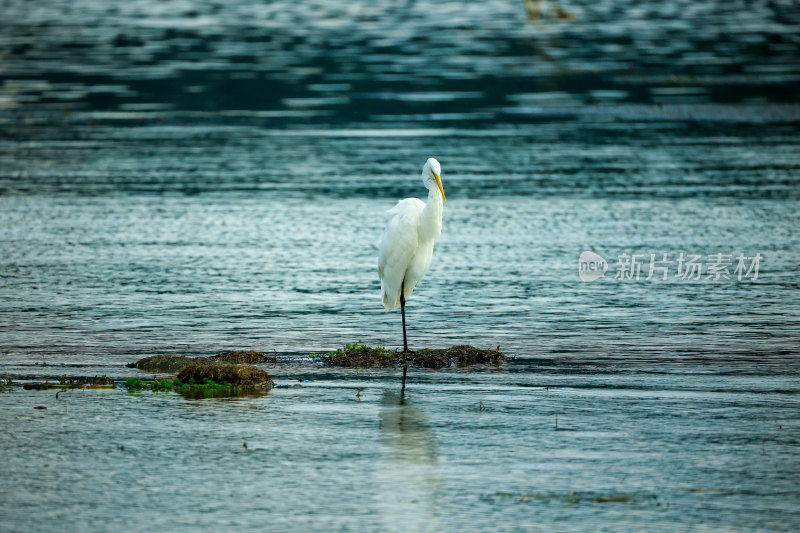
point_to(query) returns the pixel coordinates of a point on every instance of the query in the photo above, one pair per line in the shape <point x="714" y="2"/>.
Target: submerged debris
<point x="244" y="376"/>
<point x="572" y="497"/>
<point x="361" y="355"/>
<point x="462" y="355"/>
<point x="96" y="382"/>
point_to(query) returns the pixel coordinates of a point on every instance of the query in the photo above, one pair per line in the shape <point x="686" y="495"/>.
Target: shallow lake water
<point x="196" y="177"/>
<point x="642" y="445"/>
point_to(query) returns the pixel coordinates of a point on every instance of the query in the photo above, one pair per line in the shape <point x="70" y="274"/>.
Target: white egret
<point x="406" y="249"/>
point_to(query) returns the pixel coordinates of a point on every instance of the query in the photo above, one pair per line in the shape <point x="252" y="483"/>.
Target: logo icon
<point x="591" y="266"/>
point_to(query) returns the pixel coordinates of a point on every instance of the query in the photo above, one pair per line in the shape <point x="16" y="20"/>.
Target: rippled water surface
<point x="197" y="176"/>
<point x="641" y="445"/>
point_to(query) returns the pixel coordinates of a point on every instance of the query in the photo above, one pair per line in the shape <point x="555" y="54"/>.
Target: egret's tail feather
<point x="390" y="304"/>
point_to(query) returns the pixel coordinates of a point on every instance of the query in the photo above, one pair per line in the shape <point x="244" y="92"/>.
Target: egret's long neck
<point x="432" y="215"/>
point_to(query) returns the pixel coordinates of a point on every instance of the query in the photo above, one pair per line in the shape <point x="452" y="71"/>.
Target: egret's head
<point x="432" y="175"/>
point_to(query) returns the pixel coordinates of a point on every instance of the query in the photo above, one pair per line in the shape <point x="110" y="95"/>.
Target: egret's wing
<point x="397" y="248"/>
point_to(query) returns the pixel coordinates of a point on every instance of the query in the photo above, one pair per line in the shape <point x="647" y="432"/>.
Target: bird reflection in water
<point x="410" y="476"/>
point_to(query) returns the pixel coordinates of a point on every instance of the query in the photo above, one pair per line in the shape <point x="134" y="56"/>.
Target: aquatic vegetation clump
<point x="461" y="355"/>
<point x="167" y="363"/>
<point x="358" y="354"/>
<point x="244" y="357"/>
<point x="244" y="376"/>
<point x="361" y="355"/>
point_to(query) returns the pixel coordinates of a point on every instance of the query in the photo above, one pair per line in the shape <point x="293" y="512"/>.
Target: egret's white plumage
<point x="406" y="249"/>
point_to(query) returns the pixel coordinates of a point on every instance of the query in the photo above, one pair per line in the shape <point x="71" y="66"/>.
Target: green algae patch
<point x="363" y="356"/>
<point x="204" y="389"/>
<point x="205" y="378"/>
<point x="158" y="385"/>
<point x="244" y="376"/>
<point x="136" y="384"/>
<point x="244" y="357"/>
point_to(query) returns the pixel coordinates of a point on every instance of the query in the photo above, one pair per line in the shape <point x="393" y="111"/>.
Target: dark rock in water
<point x="248" y="357"/>
<point x="162" y="363"/>
<point x="361" y="355"/>
<point x="40" y="407"/>
<point x="244" y="376"/>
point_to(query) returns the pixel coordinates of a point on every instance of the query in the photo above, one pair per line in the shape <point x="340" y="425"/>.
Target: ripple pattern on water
<point x="156" y="238"/>
<point x="385" y="62"/>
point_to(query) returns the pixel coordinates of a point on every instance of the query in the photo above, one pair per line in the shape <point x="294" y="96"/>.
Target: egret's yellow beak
<point x="439" y="183"/>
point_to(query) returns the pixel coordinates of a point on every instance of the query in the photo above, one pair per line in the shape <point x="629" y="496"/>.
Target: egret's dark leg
<point x="403" y="312"/>
<point x="405" y="339"/>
